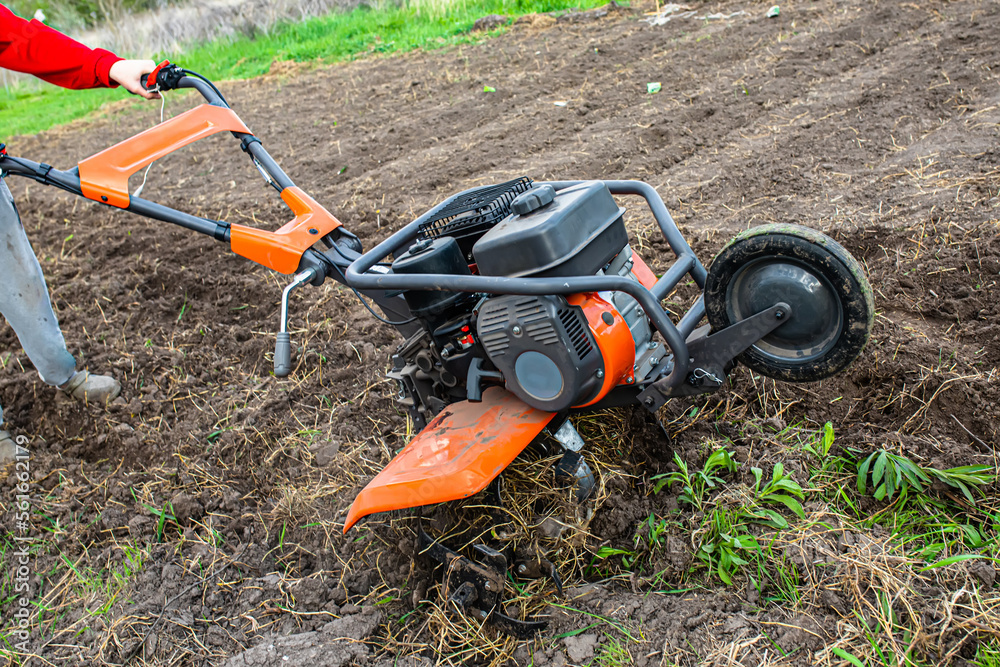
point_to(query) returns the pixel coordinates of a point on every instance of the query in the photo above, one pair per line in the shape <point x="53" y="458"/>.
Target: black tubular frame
<point x="358" y="276"/>
<point x="69" y="181"/>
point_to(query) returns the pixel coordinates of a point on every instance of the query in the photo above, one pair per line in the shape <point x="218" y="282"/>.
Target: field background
<point x="240" y="40"/>
<point x="199" y="520"/>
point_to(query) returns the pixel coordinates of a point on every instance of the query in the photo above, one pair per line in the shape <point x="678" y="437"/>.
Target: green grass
<point x="988" y="654"/>
<point x="737" y="523"/>
<point x="331" y="38"/>
<point x="612" y="653"/>
<point x="753" y="532"/>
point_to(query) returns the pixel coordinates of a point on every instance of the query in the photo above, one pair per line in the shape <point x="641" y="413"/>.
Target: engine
<point x="554" y="352"/>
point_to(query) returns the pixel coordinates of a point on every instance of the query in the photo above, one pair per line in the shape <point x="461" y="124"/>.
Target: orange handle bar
<point x="282" y="250"/>
<point x="104" y="178"/>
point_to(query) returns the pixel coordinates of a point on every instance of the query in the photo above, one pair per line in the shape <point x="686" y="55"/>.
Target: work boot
<point x="9" y="449"/>
<point x="88" y="388"/>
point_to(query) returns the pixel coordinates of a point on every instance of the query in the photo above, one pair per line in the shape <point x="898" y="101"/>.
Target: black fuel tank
<point x="574" y="232"/>
<point x="440" y="255"/>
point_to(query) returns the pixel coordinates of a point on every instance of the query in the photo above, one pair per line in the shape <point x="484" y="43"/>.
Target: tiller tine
<point x="475" y="588"/>
<point x="539" y="568"/>
<point x="456" y="456"/>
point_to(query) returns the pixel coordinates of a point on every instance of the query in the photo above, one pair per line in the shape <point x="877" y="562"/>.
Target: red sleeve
<point x="34" y="48"/>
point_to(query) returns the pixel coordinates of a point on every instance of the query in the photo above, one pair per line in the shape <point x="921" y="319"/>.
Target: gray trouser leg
<point x="24" y="299"/>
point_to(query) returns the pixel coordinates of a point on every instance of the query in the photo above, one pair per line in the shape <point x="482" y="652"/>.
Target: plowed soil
<point x="874" y="122"/>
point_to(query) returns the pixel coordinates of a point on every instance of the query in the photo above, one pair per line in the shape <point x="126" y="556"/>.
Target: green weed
<point x="893" y="473"/>
<point x="162" y="517"/>
<point x="617" y="625"/>
<point x="696" y="486"/>
<point x="728" y="544"/>
<point x="821" y="447"/>
<point x="652" y="533"/>
<point x="613" y="653"/>
<point x="725" y="540"/>
<point x="781" y="490"/>
<point x="628" y="557"/>
<point x="725" y="545"/>
<point x="988" y="654"/>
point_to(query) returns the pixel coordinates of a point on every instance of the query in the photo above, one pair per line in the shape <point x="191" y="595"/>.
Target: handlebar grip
<point x="283" y="354"/>
<point x="142" y="81"/>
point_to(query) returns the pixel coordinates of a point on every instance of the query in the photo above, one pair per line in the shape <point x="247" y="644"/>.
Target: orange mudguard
<point x="461" y="451"/>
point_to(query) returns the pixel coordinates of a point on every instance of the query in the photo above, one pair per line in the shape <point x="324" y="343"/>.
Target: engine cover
<point x="544" y="348"/>
<point x="572" y="232"/>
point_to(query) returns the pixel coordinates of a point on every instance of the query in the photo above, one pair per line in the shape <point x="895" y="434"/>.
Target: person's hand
<point x="127" y="73"/>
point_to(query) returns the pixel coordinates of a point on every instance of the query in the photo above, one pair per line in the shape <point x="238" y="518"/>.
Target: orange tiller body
<point x="613" y="340"/>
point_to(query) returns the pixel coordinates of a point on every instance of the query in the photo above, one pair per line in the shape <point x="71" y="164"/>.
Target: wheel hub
<point x="817" y="316"/>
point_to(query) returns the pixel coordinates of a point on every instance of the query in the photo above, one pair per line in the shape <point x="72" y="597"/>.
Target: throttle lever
<point x="164" y="76"/>
<point x="146" y="78"/>
<point x="283" y="341"/>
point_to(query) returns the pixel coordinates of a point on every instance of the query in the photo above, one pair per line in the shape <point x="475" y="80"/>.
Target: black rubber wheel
<point x="830" y="298"/>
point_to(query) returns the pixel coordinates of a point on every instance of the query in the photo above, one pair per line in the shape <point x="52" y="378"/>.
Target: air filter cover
<point x="576" y="234"/>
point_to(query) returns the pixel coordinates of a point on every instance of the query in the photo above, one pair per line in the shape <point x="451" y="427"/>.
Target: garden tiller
<point x="519" y="304"/>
